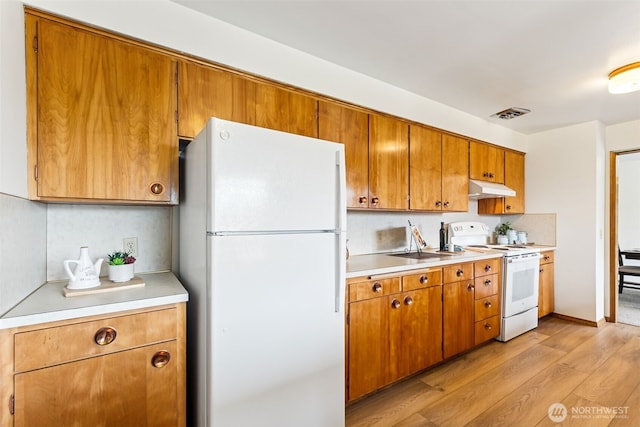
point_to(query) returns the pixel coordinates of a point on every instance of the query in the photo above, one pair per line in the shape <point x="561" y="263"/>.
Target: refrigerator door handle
<point x="341" y="239"/>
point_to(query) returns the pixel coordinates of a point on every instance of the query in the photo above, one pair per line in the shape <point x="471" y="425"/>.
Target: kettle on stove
<point x="86" y="274"/>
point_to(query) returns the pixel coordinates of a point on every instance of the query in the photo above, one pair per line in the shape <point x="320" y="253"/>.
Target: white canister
<point x="512" y="236"/>
<point x="522" y="237"/>
<point x="502" y="239"/>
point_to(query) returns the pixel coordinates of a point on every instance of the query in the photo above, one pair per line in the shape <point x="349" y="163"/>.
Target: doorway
<point x="624" y="232"/>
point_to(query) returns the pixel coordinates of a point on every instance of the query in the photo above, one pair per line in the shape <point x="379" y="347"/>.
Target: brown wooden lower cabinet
<point x="398" y="325"/>
<point x="126" y="370"/>
<point x="546" y="303"/>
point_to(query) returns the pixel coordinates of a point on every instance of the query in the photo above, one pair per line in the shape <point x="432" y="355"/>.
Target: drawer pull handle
<point x="424" y="279"/>
<point x="541" y="270"/>
<point x="487" y="304"/>
<point x="408" y="301"/>
<point x="470" y="287"/>
<point x="375" y="201"/>
<point x="377" y="287"/>
<point x="547" y="257"/>
<point x="487" y="282"/>
<point x="395" y="303"/>
<point x="487" y="267"/>
<point x="460" y="272"/>
<point x="363" y="200"/>
<point x="157" y="188"/>
<point x="488" y="326"/>
<point x="161" y="358"/>
<point x="105" y="336"/>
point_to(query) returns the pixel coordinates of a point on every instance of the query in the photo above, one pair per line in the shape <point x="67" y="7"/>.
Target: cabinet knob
<point x="485" y="174"/>
<point x="408" y="301"/>
<point x="470" y="287"/>
<point x="377" y="287"/>
<point x="438" y="204"/>
<point x="105" y="335"/>
<point x="460" y="272"/>
<point x="488" y="326"/>
<point x="547" y="257"/>
<point x="395" y="303"/>
<point x="491" y="175"/>
<point x="375" y="201"/>
<point x="446" y="204"/>
<point x="487" y="304"/>
<point x="160" y="358"/>
<point x="487" y="267"/>
<point x="363" y="200"/>
<point x="157" y="188"/>
<point x="508" y="207"/>
<point x="542" y="270"/>
<point x="487" y="282"/>
<point x="424" y="279"/>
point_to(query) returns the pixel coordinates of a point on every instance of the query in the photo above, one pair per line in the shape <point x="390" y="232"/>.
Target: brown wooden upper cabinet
<point x="205" y="92"/>
<point x="388" y="163"/>
<point x="350" y="127"/>
<point x="486" y="162"/>
<point x="101" y="117"/>
<point x="438" y="171"/>
<point x="514" y="179"/>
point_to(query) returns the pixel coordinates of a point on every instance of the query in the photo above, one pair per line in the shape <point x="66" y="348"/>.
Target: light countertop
<point x="374" y="264"/>
<point x="48" y="303"/>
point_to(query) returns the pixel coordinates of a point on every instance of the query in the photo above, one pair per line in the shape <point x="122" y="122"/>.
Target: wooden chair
<point x="626" y="270"/>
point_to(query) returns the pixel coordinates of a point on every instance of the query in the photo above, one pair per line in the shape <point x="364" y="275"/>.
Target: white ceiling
<point x="481" y="57"/>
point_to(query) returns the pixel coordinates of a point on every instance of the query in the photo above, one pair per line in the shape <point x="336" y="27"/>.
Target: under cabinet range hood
<point x="488" y="190"/>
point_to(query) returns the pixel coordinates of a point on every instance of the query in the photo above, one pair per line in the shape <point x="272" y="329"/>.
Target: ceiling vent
<point x="511" y="113"/>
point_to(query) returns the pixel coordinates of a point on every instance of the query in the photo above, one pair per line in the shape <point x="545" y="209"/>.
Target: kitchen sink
<point x="423" y="255"/>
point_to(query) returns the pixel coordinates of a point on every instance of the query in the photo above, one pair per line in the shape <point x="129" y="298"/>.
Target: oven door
<point x="520" y="286"/>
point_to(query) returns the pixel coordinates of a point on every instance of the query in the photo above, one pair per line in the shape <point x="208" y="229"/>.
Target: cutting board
<point x="106" y="285"/>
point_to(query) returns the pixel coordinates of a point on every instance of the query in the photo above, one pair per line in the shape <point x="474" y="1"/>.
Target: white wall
<point x="565" y="174"/>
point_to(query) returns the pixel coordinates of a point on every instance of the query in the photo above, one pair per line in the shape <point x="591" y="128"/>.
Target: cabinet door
<point x="546" y="284"/>
<point x="205" y="92"/>
<point x="486" y="162"/>
<point x="122" y="388"/>
<point x="455" y="174"/>
<point x="458" y="317"/>
<point x="106" y="126"/>
<point x="425" y="169"/>
<point x="351" y="128"/>
<point x="514" y="179"/>
<point x="388" y="163"/>
<point x="368" y="346"/>
<point x="418" y="323"/>
<point x="286" y="111"/>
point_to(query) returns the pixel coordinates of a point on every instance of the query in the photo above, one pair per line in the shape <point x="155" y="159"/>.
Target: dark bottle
<point x="442" y="238"/>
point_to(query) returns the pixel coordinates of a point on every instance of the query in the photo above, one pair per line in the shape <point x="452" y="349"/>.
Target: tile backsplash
<point x="102" y="228"/>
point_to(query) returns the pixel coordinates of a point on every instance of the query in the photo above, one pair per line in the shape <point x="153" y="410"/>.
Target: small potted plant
<point x="502" y="231"/>
<point x="120" y="266"/>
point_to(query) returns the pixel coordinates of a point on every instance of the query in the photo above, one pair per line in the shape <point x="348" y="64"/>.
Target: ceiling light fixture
<point x="625" y="79"/>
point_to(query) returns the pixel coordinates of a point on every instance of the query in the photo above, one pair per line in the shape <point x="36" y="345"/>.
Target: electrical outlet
<point x="130" y="245"/>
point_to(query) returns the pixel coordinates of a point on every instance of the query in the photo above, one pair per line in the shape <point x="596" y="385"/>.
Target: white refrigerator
<point x="262" y="253"/>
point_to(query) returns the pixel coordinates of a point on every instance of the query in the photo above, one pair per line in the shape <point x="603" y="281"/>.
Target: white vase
<point x="121" y="273"/>
<point x="503" y="239"/>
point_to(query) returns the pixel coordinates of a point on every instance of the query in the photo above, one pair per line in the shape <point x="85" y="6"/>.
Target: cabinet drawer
<point x="487" y="266"/>
<point x="487" y="329"/>
<point x="546" y="257"/>
<point x="457" y="272"/>
<point x="487" y="285"/>
<point x="487" y="307"/>
<point x="424" y="279"/>
<point x="51" y="346"/>
<point x="373" y="288"/>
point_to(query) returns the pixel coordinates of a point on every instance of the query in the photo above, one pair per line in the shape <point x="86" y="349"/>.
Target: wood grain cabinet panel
<point x="514" y="179"/>
<point x="388" y="163"/>
<point x="286" y="111"/>
<point x="546" y="302"/>
<point x="68" y="373"/>
<point x="486" y="162"/>
<point x="350" y="127"/>
<point x="101" y="117"/>
<point x="458" y="317"/>
<point x="205" y="92"/>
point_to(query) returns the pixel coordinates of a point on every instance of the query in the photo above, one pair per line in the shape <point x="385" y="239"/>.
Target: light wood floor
<point x="591" y="371"/>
